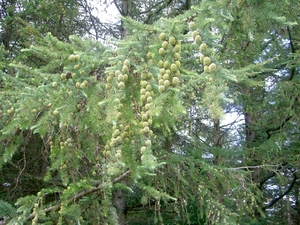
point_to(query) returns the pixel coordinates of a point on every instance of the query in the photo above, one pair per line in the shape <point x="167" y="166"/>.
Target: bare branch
<point x="253" y="167"/>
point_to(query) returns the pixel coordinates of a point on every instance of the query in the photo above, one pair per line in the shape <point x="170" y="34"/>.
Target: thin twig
<point x="253" y="167"/>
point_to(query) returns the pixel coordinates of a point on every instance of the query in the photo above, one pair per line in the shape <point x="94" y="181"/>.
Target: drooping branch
<point x="83" y="193"/>
<point x="273" y="201"/>
<point x="284" y="121"/>
<point x="273" y="129"/>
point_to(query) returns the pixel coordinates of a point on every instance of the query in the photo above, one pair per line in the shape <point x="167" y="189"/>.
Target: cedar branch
<point x="82" y="193"/>
<point x="273" y="201"/>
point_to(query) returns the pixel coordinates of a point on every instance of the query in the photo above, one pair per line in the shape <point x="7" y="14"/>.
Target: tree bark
<point x="7" y="28"/>
<point x="125" y="12"/>
<point x="120" y="204"/>
<point x="249" y="124"/>
<point x="217" y="139"/>
<point x="297" y="204"/>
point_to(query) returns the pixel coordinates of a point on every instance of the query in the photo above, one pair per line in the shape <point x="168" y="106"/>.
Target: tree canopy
<point x="187" y="114"/>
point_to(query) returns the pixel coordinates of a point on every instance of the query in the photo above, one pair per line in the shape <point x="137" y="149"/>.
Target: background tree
<point x="255" y="102"/>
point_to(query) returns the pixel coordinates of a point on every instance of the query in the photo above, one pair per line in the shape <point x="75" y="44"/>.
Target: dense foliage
<point x="136" y="131"/>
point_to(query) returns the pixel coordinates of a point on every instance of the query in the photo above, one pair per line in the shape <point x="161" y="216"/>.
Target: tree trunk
<point x="124" y="12"/>
<point x="249" y="124"/>
<point x="251" y="138"/>
<point x="119" y="202"/>
<point x="217" y="141"/>
<point x="217" y="133"/>
<point x="8" y="25"/>
<point x="297" y="204"/>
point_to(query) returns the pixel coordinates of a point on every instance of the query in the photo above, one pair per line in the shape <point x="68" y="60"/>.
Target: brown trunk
<point x="251" y="136"/>
<point x="217" y="133"/>
<point x="120" y="204"/>
<point x="288" y="211"/>
<point x="217" y="141"/>
<point x="249" y="123"/>
<point x="297" y="204"/>
<point x="8" y="26"/>
<point x="125" y="12"/>
<point x="250" y="139"/>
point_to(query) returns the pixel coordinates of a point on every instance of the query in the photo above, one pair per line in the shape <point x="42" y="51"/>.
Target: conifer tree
<point x="99" y="130"/>
<point x="82" y="121"/>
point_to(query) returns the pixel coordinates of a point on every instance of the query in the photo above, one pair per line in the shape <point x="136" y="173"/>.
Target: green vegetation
<point x="134" y="131"/>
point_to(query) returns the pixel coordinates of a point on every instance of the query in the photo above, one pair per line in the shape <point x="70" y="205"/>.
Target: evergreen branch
<point x="279" y="127"/>
<point x="82" y="193"/>
<point x="285" y="120"/>
<point x="273" y="201"/>
<point x="271" y="174"/>
<point x="33" y="177"/>
<point x="164" y="5"/>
